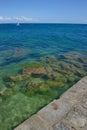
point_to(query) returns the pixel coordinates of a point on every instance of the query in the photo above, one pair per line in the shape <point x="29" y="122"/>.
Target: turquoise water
<point x="32" y="41"/>
<point x="28" y="46"/>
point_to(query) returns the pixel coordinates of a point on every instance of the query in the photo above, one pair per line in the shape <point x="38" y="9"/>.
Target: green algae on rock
<point x="39" y="83"/>
<point x="49" y="70"/>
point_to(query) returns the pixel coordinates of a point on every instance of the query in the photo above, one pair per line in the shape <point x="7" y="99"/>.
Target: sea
<point x="29" y="42"/>
<point x="24" y="44"/>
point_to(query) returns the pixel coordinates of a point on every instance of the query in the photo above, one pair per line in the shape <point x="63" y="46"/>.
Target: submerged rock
<point x="66" y="66"/>
<point x="50" y="72"/>
<point x="82" y="60"/>
<point x="13" y="78"/>
<point x="49" y="59"/>
<point x="37" y="71"/>
<point x="36" y="82"/>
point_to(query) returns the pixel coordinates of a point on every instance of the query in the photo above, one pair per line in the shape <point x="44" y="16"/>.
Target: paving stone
<point x="55" y="111"/>
<point x="81" y="110"/>
<point x="85" y="128"/>
<point x="62" y="126"/>
<point x="79" y="121"/>
<point x="84" y="101"/>
<point x="76" y="92"/>
<point x="84" y="80"/>
<point x="34" y="123"/>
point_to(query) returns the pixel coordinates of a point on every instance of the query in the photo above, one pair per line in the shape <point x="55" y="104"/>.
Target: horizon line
<point x="40" y="23"/>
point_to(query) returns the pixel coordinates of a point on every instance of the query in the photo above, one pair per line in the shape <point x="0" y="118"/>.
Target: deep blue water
<point x="19" y="44"/>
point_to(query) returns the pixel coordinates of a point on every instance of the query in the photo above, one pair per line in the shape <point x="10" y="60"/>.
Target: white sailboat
<point x="18" y="24"/>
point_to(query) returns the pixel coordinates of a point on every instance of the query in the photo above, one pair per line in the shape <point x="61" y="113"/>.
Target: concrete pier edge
<point x="69" y="112"/>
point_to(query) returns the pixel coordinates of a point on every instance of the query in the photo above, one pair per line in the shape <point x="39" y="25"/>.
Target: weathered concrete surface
<point x="67" y="113"/>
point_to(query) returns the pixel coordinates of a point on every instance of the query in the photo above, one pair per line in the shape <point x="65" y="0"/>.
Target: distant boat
<point x="18" y="24"/>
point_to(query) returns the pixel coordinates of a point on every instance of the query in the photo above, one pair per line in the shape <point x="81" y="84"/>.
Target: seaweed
<point x="36" y="85"/>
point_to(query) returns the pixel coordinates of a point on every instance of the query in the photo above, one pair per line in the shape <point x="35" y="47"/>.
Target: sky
<point x="43" y="11"/>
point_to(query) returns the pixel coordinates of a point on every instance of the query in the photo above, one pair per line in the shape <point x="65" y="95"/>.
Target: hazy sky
<point x="54" y="11"/>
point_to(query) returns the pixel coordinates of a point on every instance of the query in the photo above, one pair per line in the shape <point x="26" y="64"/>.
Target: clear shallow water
<point x="23" y="46"/>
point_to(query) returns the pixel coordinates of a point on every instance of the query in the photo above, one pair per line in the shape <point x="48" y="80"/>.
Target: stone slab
<point x="55" y="111"/>
<point x="63" y="126"/>
<point x="76" y="92"/>
<point x="34" y="123"/>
